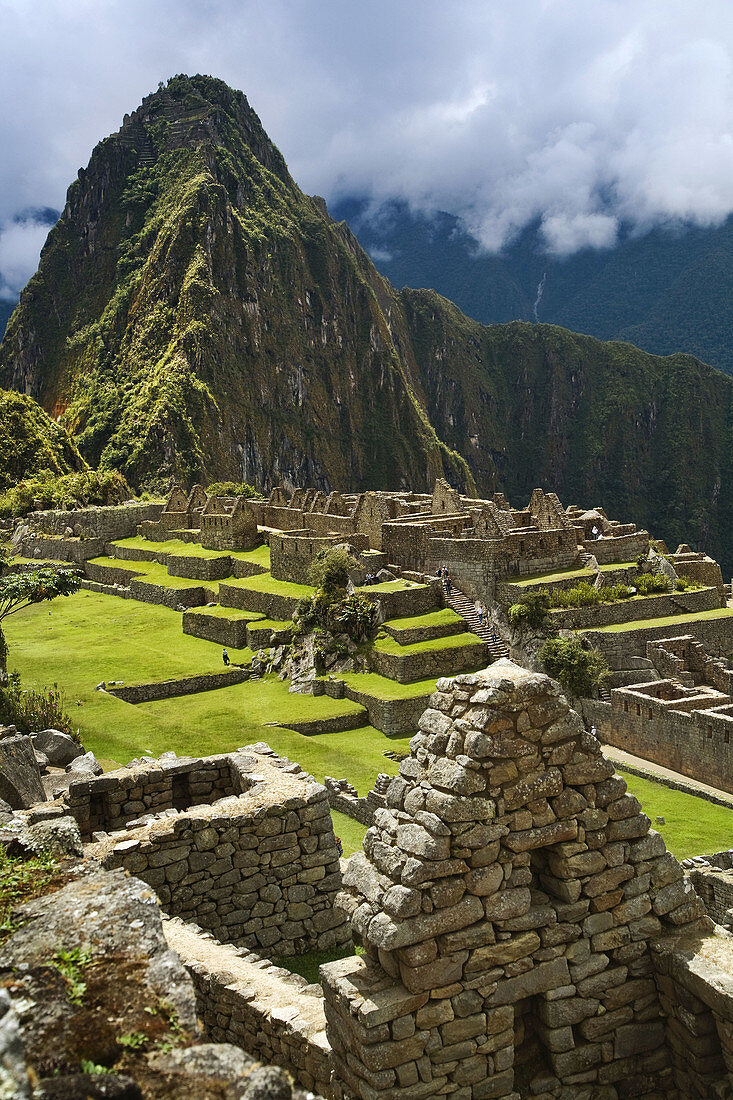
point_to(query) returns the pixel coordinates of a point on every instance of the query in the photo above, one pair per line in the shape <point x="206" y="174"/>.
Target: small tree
<point x="19" y="590"/>
<point x="330" y="569"/>
<point x="530" y="610"/>
<point x="579" y="670"/>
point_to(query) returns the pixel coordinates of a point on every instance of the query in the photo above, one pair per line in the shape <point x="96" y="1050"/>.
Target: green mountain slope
<point x="668" y="290"/>
<point x="195" y="314"/>
<point x="31" y="442"/>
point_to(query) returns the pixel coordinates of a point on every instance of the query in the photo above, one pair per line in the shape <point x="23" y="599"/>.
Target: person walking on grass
<point x="225" y="657"/>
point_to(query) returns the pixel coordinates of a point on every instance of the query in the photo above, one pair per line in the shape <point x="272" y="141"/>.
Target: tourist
<point x="339" y="846"/>
<point x="479" y="613"/>
<point x="225" y="656"/>
<point x="494" y="639"/>
<point x="448" y="582"/>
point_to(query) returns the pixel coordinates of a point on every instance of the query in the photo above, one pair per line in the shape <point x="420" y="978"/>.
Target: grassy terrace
<point x="432" y="618"/>
<point x="693" y="827"/>
<point x="371" y="683"/>
<point x="666" y="620"/>
<point x="389" y="586"/>
<point x="453" y="641"/>
<point x="259" y="556"/>
<point x="267" y="583"/>
<point x="152" y="572"/>
<point x="89" y="637"/>
<point x="233" y="613"/>
<point x="567" y="574"/>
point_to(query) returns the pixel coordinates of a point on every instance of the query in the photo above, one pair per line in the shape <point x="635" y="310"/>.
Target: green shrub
<point x="584" y="594"/>
<point x="353" y="615"/>
<point x="48" y="490"/>
<point x="648" y="584"/>
<point x="530" y="610"/>
<point x="32" y="710"/>
<point x="330" y="569"/>
<point x="580" y="671"/>
<point x="233" y="489"/>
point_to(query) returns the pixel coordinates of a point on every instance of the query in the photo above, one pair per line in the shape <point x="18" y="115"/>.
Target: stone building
<point x="508" y="899"/>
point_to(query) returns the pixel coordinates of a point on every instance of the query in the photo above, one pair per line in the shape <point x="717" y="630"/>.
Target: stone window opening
<point x="726" y="737"/>
<point x="710" y="731"/>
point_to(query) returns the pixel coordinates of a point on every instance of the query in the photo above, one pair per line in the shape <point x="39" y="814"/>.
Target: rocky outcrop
<point x="100" y="1006"/>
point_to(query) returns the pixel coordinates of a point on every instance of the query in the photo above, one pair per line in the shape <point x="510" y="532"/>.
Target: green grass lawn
<point x="381" y="688"/>
<point x="90" y="637"/>
<point x="351" y="832"/>
<point x="453" y="641"/>
<point x="389" y="586"/>
<point x="667" y="620"/>
<point x="693" y="826"/>
<point x="259" y="556"/>
<point x="152" y="572"/>
<point x="137" y="542"/>
<point x="232" y="613"/>
<point x="544" y="578"/>
<point x="265" y="582"/>
<point x="431" y="618"/>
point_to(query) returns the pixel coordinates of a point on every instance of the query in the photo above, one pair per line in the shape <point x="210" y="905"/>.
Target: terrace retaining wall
<point x="186" y="685"/>
<point x="244" y="999"/>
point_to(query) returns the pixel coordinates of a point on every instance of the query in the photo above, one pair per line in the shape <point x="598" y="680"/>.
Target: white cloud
<point x="20" y="246"/>
<point x="577" y="115"/>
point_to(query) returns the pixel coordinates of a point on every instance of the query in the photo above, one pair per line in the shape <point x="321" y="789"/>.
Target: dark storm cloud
<point x="579" y="113"/>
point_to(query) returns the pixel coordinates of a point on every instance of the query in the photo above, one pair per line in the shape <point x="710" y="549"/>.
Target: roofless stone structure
<point x="506" y="898"/>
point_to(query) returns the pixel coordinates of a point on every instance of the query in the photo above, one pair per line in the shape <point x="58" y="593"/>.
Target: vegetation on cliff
<point x="196" y="314"/>
<point x="31" y="442"/>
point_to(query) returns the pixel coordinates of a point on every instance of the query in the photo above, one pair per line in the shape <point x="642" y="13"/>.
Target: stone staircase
<point x="466" y="608"/>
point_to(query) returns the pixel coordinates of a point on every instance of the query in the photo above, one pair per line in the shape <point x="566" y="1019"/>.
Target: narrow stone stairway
<point x="466" y="608"/>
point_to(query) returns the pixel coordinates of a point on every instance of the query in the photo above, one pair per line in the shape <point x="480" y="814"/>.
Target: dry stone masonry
<point x="506" y="898"/>
<point x="242" y="844"/>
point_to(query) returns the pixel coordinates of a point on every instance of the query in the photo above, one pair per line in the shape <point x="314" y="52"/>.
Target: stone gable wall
<point x="506" y="899"/>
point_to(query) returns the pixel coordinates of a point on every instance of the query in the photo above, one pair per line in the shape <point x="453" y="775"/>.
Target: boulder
<point x="87" y="763"/>
<point x="58" y="836"/>
<point x="21" y="785"/>
<point x="41" y="760"/>
<point x="14" y="1079"/>
<point x="385" y="575"/>
<point x="57" y="746"/>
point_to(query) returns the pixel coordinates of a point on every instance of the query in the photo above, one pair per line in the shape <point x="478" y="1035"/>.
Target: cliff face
<point x="195" y="314"/>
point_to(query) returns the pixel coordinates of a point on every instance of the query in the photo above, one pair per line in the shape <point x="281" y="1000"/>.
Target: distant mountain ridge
<point x="667" y="290"/>
<point x="196" y="315"/>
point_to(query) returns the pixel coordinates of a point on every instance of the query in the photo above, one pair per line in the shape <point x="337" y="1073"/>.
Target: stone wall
<point x="714" y="886"/>
<point x="715" y="634"/>
<point x="696" y="743"/>
<point x="398" y="603"/>
<point x="292" y="554"/>
<point x="184" y="685"/>
<point x="109" y="523"/>
<point x="198" y="568"/>
<point x="58" y="548"/>
<point x="244" y="999"/>
<point x="629" y="611"/>
<point x="506" y="899"/>
<point x="147" y="592"/>
<point x="258" y="867"/>
<point x="216" y="628"/>
<point x="273" y="605"/>
<point x="619" y="548"/>
<point x="391" y="716"/>
<point x="425" y="663"/>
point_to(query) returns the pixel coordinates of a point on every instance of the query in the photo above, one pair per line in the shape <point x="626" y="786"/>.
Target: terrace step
<point x="466" y="608"/>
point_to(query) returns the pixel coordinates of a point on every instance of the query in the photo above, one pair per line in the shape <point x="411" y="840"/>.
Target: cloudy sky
<point x="581" y="113"/>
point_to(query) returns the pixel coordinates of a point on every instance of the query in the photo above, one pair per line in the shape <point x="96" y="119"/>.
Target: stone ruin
<point x="508" y="897"/>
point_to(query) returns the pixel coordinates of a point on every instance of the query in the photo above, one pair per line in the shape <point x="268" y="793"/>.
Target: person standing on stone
<point x="480" y="612"/>
<point x="225" y="656"/>
<point x="448" y="583"/>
